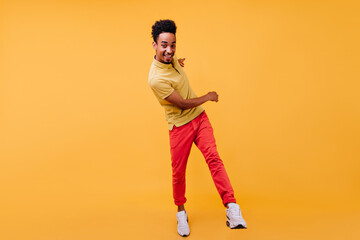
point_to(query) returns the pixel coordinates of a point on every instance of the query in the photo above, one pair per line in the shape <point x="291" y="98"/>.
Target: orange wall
<point x="81" y="128"/>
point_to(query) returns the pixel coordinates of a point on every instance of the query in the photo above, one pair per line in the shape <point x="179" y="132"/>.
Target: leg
<point x="181" y="208"/>
<point x="181" y="139"/>
<point x="205" y="141"/>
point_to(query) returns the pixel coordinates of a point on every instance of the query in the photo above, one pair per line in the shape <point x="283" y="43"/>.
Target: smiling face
<point x="165" y="47"/>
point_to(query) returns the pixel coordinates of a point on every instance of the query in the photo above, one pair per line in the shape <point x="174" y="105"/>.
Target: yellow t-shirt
<point x="163" y="80"/>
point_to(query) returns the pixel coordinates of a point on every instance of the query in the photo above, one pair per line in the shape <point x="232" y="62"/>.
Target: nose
<point x="169" y="50"/>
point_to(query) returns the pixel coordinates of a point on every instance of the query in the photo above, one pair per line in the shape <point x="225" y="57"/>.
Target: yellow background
<point x="84" y="144"/>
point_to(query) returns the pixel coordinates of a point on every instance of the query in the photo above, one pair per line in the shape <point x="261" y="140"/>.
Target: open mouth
<point x="168" y="58"/>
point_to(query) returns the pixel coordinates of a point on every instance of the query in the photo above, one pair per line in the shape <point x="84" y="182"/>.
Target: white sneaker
<point x="234" y="218"/>
<point x="182" y="224"/>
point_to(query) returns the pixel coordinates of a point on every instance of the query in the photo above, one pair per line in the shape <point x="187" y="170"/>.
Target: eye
<point x="173" y="46"/>
<point x="163" y="45"/>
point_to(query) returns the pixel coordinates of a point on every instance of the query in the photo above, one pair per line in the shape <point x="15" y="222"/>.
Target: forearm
<point x="194" y="102"/>
<point x="176" y="99"/>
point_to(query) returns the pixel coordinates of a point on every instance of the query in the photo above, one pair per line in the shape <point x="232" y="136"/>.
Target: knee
<point x="212" y="156"/>
<point x="214" y="161"/>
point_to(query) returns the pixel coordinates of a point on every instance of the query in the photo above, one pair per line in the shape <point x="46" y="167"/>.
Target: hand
<point x="181" y="61"/>
<point x="213" y="96"/>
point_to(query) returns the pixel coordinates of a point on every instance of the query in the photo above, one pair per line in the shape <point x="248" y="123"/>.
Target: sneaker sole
<point x="184" y="235"/>
<point x="236" y="227"/>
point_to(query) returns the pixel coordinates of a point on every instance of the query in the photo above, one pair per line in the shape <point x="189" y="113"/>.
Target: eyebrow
<point x="167" y="42"/>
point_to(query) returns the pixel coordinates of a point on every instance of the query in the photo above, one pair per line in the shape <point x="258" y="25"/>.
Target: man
<point x="187" y="123"/>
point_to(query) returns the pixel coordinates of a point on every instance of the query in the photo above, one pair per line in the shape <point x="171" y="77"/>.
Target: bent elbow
<point x="184" y="105"/>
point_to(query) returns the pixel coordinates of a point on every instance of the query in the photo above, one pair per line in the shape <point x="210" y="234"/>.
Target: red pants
<point x="200" y="132"/>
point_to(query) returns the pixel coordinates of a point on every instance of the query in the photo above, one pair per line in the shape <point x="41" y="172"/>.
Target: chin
<point x="164" y="60"/>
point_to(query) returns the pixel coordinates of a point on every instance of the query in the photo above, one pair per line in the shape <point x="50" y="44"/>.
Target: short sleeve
<point x="161" y="87"/>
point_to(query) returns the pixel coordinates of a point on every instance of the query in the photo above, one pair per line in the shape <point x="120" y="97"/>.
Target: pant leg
<point x="205" y="141"/>
<point x="181" y="140"/>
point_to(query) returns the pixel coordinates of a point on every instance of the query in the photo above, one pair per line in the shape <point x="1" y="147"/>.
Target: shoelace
<point x="234" y="212"/>
<point x="182" y="220"/>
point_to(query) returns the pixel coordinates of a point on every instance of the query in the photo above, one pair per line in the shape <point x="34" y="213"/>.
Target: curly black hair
<point x="161" y="26"/>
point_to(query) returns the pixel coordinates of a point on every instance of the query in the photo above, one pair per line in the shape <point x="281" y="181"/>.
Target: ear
<point x="154" y="45"/>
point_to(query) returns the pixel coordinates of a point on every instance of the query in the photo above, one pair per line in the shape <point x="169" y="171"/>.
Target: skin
<point x="165" y="48"/>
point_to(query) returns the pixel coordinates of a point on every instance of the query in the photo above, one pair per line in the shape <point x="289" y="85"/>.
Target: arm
<point x="176" y="99"/>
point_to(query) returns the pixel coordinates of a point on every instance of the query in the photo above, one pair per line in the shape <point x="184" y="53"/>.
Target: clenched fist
<point x="213" y="96"/>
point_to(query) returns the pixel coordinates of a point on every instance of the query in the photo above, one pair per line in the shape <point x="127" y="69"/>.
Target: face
<point x="165" y="47"/>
